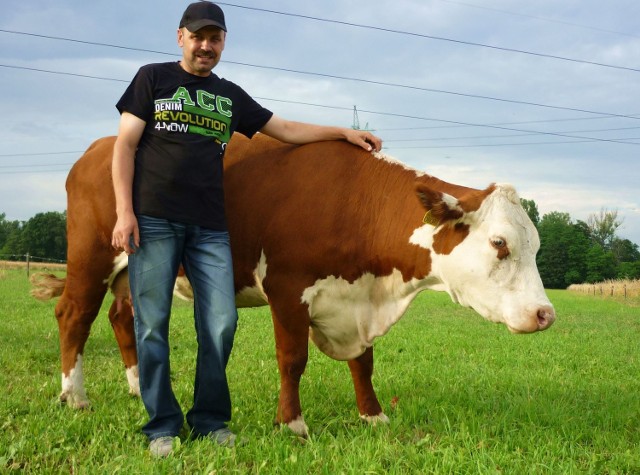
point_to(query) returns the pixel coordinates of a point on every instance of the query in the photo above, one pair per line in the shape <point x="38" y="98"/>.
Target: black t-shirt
<point x="189" y="121"/>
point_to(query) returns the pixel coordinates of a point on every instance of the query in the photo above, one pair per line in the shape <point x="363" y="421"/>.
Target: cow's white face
<point x="485" y="259"/>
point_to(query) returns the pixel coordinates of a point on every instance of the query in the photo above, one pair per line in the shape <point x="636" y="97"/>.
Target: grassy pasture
<point x="463" y="395"/>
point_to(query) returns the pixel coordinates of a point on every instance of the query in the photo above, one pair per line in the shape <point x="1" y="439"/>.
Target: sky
<point x="544" y="95"/>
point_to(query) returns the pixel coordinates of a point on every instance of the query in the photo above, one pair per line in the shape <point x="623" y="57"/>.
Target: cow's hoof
<point x="74" y="401"/>
<point x="297" y="426"/>
<point x="375" y="420"/>
<point x="134" y="391"/>
<point x="133" y="380"/>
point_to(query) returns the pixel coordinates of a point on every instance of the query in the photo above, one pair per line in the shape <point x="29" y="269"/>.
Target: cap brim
<point x="196" y="25"/>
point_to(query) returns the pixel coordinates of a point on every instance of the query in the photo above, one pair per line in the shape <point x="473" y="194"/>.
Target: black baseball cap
<point x="201" y="14"/>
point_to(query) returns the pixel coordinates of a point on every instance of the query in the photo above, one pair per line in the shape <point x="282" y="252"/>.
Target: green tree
<point x="628" y="270"/>
<point x="45" y="236"/>
<point x="603" y="227"/>
<point x="624" y="250"/>
<point x="10" y="239"/>
<point x="3" y="229"/>
<point x="601" y="264"/>
<point x="532" y="210"/>
<point x="627" y="257"/>
<point x="554" y="230"/>
<point x="578" y="244"/>
<point x="6" y="229"/>
<point x="563" y="250"/>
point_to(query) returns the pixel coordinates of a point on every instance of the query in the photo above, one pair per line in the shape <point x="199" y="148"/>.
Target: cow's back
<point x="318" y="210"/>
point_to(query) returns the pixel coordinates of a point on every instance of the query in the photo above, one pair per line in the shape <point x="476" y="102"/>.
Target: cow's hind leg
<point x="74" y="324"/>
<point x="368" y="405"/>
<point x="121" y="318"/>
<point x="292" y="352"/>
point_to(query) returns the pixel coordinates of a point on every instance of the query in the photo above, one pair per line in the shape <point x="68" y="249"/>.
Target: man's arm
<point x="122" y="168"/>
<point x="301" y="133"/>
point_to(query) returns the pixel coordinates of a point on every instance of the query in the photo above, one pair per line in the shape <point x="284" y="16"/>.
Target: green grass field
<point x="463" y="395"/>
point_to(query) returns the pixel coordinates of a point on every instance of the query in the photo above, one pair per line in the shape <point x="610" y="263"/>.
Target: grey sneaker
<point x="223" y="437"/>
<point x="161" y="447"/>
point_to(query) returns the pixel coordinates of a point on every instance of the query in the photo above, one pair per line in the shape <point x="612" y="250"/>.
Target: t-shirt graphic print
<point x="206" y="114"/>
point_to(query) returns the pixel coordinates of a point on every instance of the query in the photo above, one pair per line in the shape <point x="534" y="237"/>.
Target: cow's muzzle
<point x="539" y="319"/>
<point x="546" y="317"/>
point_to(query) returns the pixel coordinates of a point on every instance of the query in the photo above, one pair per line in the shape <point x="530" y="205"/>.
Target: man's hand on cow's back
<point x="126" y="227"/>
<point x="364" y="139"/>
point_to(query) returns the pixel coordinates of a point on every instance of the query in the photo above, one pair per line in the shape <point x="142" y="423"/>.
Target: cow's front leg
<point x="361" y="372"/>
<point x="292" y="351"/>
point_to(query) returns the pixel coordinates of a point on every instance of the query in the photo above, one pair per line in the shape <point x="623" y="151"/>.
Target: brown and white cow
<point x="335" y="240"/>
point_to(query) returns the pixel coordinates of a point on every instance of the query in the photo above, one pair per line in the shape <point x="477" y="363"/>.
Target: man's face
<point x="201" y="50"/>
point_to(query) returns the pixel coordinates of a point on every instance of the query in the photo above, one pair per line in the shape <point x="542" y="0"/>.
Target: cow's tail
<point x="46" y="286"/>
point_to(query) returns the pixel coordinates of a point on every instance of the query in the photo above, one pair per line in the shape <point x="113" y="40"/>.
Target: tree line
<point x="570" y="252"/>
<point x="582" y="252"/>
<point x="44" y="237"/>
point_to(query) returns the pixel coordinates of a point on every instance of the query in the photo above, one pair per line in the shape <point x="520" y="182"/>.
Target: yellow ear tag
<point x="430" y="219"/>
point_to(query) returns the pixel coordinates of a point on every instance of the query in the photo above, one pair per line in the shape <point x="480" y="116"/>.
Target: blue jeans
<point x="206" y="258"/>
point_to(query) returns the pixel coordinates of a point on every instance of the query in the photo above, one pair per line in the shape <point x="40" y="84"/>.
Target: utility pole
<point x="356" y="121"/>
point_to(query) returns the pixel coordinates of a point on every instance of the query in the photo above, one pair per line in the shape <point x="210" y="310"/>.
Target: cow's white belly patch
<point x="254" y="296"/>
<point x="347" y="317"/>
<point x="120" y="262"/>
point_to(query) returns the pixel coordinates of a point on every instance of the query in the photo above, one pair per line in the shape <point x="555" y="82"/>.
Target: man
<point x="176" y="119"/>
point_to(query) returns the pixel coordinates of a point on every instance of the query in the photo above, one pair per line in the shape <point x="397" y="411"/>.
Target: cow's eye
<point x="498" y="243"/>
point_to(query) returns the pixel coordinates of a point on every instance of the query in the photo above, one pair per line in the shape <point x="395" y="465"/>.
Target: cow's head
<point x="484" y="247"/>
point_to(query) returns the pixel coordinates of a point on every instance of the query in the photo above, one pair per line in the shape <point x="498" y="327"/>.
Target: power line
<point x="38" y="165"/>
<point x="450" y="123"/>
<point x="387" y="141"/>
<point x="40" y="153"/>
<point x="386" y="147"/>
<point x="544" y="121"/>
<point x="535" y="17"/>
<point x="438" y="91"/>
<point x="330" y="76"/>
<point x="474" y="137"/>
<point x="492" y="145"/>
<point x="91" y="43"/>
<point x="61" y="73"/>
<point x="368" y="81"/>
<point x="431" y="37"/>
<point x="553" y="134"/>
<point x="33" y="172"/>
<point x="401" y="115"/>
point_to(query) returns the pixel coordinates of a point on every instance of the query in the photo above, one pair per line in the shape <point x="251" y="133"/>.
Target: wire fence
<point x="625" y="288"/>
<point x="30" y="262"/>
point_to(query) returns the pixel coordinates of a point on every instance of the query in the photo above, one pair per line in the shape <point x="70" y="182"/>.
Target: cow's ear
<point x="440" y="207"/>
<point x="472" y="200"/>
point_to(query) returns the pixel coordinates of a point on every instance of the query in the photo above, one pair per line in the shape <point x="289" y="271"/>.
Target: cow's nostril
<point x="546" y="317"/>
